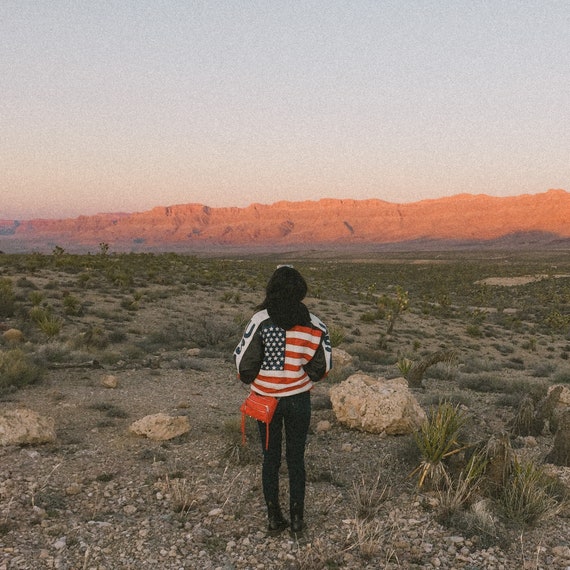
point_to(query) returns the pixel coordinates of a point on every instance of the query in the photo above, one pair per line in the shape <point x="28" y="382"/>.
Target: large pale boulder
<point x="341" y="358"/>
<point x="22" y="426"/>
<point x="376" y="405"/>
<point x="160" y="426"/>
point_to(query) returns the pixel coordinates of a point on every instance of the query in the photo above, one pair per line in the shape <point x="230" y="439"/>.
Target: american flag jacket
<point x="279" y="362"/>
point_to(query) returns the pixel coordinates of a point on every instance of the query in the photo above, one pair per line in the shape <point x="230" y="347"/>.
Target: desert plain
<point x="164" y="326"/>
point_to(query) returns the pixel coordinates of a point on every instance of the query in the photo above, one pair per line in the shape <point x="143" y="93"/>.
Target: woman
<point x="284" y="350"/>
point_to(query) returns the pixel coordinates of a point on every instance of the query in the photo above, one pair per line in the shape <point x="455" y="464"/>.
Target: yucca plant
<point x="50" y="325"/>
<point x="404" y="366"/>
<point x="437" y="440"/>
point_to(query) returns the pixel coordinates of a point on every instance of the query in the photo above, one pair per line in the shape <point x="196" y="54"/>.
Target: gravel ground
<point x="101" y="498"/>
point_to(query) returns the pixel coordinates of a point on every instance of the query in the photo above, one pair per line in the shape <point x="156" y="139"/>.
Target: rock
<point x="25" y="427"/>
<point x="554" y="404"/>
<point x="323" y="426"/>
<point x="109" y="381"/>
<point x="13" y="336"/>
<point x="376" y="405"/>
<point x="160" y="426"/>
<point x="73" y="489"/>
<point x="193" y="351"/>
<point x="560" y="453"/>
<point x="341" y="358"/>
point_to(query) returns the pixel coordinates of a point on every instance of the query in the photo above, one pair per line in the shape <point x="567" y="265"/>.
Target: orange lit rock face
<point x="328" y="221"/>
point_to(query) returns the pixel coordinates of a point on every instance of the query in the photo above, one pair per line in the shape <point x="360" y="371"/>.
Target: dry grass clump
<point x="236" y="451"/>
<point x="368" y="495"/>
<point x="180" y="492"/>
<point x="526" y="420"/>
<point x="317" y="556"/>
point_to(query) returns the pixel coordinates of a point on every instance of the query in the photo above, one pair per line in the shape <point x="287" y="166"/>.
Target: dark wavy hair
<point x="284" y="294"/>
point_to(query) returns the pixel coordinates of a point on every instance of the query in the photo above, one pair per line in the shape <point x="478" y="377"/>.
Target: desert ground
<point x="164" y="326"/>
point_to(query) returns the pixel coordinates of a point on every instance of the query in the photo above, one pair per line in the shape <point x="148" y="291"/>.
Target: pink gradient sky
<point x="123" y="106"/>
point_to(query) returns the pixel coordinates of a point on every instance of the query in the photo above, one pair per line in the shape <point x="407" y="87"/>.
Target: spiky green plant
<point x="50" y="325"/>
<point x="438" y="439"/>
<point x="528" y="494"/>
<point x="404" y="366"/>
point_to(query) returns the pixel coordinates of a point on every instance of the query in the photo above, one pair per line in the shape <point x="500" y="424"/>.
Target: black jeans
<point x="293" y="412"/>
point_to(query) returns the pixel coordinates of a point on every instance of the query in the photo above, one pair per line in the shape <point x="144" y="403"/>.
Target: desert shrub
<point x="562" y="377"/>
<point x="447" y="371"/>
<point x="474" y="331"/>
<point x="515" y="363"/>
<point x="116" y="336"/>
<point x="93" y="337"/>
<point x="7" y="298"/>
<point x="526" y="420"/>
<point x="25" y="283"/>
<point x="53" y="352"/>
<point x="318" y="556"/>
<point x="497" y="384"/>
<point x="36" y="298"/>
<point x="543" y="369"/>
<point x="182" y="493"/>
<point x="237" y="451"/>
<point x="72" y="305"/>
<point x="528" y="495"/>
<point x="474" y="365"/>
<point x="456" y="398"/>
<point x="337" y="335"/>
<point x="459" y="493"/>
<point x="38" y="312"/>
<point x="111" y="410"/>
<point x="17" y="370"/>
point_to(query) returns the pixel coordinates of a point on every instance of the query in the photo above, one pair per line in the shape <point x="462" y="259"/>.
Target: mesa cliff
<point x="463" y="219"/>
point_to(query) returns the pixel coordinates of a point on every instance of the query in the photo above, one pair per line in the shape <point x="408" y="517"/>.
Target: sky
<point x="124" y="105"/>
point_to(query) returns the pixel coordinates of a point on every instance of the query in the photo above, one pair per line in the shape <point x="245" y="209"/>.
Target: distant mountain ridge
<point x="463" y="220"/>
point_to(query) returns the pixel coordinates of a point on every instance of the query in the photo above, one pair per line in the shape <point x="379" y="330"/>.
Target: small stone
<point x="109" y="381"/>
<point x="73" y="489"/>
<point x="561" y="551"/>
<point x="323" y="426"/>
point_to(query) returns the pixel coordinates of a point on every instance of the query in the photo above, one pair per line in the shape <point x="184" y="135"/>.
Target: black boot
<point x="276" y="521"/>
<point x="297" y="525"/>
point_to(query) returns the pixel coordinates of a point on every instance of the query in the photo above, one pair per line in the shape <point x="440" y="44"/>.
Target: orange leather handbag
<point x="260" y="408"/>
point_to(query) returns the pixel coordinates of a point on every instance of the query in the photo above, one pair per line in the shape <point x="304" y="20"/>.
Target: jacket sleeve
<point x="321" y="363"/>
<point x="248" y="355"/>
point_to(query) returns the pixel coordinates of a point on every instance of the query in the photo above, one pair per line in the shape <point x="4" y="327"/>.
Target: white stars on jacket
<point x="274" y="342"/>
